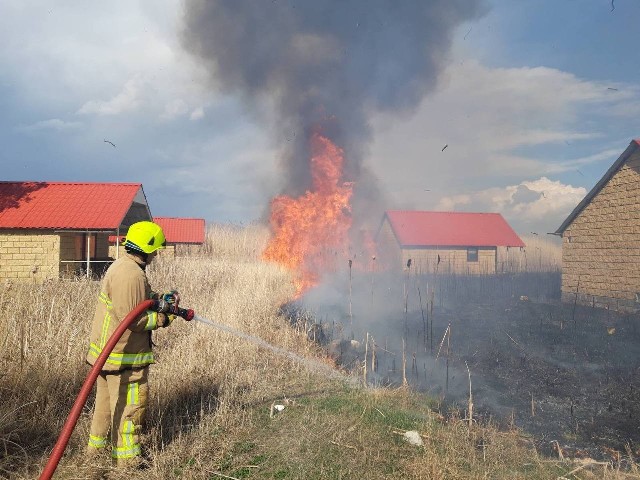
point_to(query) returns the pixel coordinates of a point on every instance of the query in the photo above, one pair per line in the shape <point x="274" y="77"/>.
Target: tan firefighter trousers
<point x="121" y="400"/>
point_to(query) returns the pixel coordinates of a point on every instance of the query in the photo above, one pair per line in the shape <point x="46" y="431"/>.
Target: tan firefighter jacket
<point x="124" y="286"/>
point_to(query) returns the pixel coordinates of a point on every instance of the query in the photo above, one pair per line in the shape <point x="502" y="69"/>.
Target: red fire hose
<point x="74" y="414"/>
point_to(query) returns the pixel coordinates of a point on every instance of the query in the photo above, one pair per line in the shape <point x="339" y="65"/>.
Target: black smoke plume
<point x="325" y="64"/>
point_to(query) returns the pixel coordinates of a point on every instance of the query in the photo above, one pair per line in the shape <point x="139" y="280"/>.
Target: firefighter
<point x="121" y="387"/>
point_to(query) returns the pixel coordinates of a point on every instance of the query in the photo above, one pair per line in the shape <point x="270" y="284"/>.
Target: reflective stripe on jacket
<point x="124" y="286"/>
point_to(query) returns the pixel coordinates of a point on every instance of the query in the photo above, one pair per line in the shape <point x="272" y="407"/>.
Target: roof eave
<point x="388" y="219"/>
<point x="135" y="194"/>
<point x="633" y="146"/>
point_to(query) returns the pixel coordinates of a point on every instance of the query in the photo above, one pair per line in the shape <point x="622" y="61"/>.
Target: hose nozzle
<point x="186" y="313"/>
<point x="162" y="306"/>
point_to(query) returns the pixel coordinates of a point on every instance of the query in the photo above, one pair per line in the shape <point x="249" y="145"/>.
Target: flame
<point x="309" y="231"/>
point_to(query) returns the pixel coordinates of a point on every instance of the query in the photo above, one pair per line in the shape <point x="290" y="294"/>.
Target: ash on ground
<point x="562" y="373"/>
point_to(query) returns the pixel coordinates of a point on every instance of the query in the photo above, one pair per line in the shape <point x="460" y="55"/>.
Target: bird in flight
<point x="444" y="147"/>
<point x="111" y="143"/>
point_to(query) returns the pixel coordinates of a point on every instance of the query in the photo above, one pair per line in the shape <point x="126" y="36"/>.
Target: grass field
<point x="211" y="412"/>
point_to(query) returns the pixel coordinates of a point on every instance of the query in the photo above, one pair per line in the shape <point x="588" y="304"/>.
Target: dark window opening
<point x="472" y="254"/>
<point x="81" y="246"/>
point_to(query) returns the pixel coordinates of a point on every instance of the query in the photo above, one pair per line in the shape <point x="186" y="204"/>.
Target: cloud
<point x="505" y="123"/>
<point x="106" y="60"/>
<point x="539" y="205"/>
<point x="503" y="127"/>
<point x="453" y="202"/>
<point x="51" y="124"/>
<point x="234" y="189"/>
<point x="175" y="108"/>
<point x="524" y="194"/>
<point x="82" y="53"/>
<point x="573" y="164"/>
<point x="125" y="101"/>
<point x="555" y="199"/>
<point x="197" y="114"/>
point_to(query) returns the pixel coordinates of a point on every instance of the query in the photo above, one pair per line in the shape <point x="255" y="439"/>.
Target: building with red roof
<point x="185" y="231"/>
<point x="177" y="231"/>
<point x="601" y="237"/>
<point x="447" y="242"/>
<point x="49" y="229"/>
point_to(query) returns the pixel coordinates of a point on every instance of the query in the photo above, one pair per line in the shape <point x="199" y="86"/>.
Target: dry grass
<point x="232" y="242"/>
<point x="542" y="253"/>
<point x="211" y="393"/>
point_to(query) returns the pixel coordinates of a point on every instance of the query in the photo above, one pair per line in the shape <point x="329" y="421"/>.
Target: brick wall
<point x="452" y="260"/>
<point x="29" y="255"/>
<point x="67" y="247"/>
<point x="388" y="250"/>
<point x="424" y="259"/>
<point x="601" y="247"/>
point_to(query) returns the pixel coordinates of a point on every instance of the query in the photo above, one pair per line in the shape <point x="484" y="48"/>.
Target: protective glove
<point x="172" y="297"/>
<point x="165" y="319"/>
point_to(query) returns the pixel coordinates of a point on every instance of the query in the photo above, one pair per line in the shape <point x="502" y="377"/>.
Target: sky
<point x="534" y="100"/>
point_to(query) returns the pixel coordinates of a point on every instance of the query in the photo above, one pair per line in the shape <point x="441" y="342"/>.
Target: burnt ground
<point x="561" y="376"/>
<point x="561" y="373"/>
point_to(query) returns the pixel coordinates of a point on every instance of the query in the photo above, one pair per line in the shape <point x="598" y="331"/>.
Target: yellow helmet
<point x="145" y="237"/>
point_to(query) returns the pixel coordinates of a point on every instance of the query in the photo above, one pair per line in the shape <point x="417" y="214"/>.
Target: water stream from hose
<point x="314" y="365"/>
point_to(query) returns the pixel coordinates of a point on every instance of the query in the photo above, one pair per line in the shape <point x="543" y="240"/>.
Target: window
<point x="472" y="254"/>
<point x="81" y="246"/>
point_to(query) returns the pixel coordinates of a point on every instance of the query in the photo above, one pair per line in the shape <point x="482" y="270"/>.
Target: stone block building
<point x="50" y="230"/>
<point x="449" y="242"/>
<point x="601" y="239"/>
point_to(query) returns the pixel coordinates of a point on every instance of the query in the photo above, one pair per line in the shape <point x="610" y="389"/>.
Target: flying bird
<point x="111" y="143"/>
<point x="444" y="147"/>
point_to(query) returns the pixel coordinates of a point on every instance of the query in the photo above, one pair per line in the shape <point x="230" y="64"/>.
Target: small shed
<point x="449" y="242"/>
<point x="601" y="239"/>
<point x="54" y="229"/>
<point x="181" y="231"/>
<point x="177" y="231"/>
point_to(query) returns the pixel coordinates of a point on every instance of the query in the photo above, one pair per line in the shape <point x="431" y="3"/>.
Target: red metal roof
<point x="419" y="228"/>
<point x="61" y="205"/>
<point x="182" y="230"/>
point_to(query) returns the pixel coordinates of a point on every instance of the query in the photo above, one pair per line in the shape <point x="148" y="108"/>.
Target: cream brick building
<point x="601" y="239"/>
<point x="451" y="242"/>
<point x="53" y="229"/>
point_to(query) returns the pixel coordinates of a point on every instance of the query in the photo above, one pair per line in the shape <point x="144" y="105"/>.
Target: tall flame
<point x="309" y="231"/>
